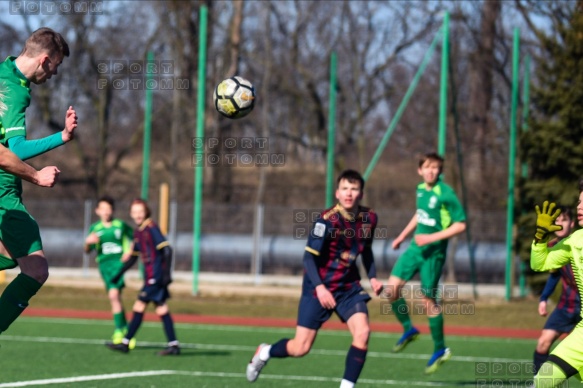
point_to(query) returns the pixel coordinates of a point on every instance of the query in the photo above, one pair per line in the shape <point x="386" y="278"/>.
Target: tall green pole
<point x="400" y="110"/>
<point x="524" y="167"/>
<point x="199" y="170"/>
<point x="147" y="128"/>
<point x="331" y="133"/>
<point x="525" y="106"/>
<point x="443" y="87"/>
<point x="511" y="165"/>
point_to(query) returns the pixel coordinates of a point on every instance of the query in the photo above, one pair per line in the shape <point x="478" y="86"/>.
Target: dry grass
<point x="487" y="312"/>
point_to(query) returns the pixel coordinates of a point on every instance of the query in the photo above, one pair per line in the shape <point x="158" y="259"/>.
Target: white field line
<point x="112" y="376"/>
<point x="251" y="349"/>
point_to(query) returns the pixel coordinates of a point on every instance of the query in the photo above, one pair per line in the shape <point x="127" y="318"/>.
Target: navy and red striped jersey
<point x="335" y="241"/>
<point x="570" y="299"/>
<point x="148" y="240"/>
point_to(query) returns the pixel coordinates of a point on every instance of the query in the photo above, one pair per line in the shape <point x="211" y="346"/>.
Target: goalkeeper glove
<point x="545" y="221"/>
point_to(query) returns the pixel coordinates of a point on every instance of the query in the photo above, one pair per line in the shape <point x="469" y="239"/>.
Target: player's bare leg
<point x="299" y="346"/>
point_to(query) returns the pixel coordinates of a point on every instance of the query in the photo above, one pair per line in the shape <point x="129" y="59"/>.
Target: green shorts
<point x="19" y="232"/>
<point x="427" y="261"/>
<point x="108" y="269"/>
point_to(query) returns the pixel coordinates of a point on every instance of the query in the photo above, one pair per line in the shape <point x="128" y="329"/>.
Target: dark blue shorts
<point x="312" y="315"/>
<point x="562" y="321"/>
<point x="154" y="293"/>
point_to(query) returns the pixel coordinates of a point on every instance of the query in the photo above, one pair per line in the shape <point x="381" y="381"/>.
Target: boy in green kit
<point x="439" y="216"/>
<point x="20" y="240"/>
<point x="111" y="238"/>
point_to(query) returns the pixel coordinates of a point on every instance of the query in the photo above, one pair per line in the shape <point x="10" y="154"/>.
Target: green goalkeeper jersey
<point x="114" y="240"/>
<point x="568" y="250"/>
<point x="437" y="208"/>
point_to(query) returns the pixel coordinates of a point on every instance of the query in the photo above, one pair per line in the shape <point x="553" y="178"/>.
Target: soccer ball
<point x="234" y="97"/>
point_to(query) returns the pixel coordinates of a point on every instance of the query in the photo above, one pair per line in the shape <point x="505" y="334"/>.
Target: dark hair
<point x="566" y="210"/>
<point x="581" y="185"/>
<point x="107" y="199"/>
<point x="140" y="201"/>
<point x="351" y="176"/>
<point x="433" y="156"/>
<point x="45" y="40"/>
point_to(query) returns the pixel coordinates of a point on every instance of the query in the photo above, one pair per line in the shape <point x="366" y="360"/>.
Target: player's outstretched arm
<point x="452" y="230"/>
<point x="407" y="231"/>
<point x="10" y="163"/>
<point x="126" y="265"/>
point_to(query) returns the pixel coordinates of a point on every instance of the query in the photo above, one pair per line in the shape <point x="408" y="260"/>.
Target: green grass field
<point x="70" y="353"/>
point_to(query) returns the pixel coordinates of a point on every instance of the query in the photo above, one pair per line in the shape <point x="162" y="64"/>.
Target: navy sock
<point x="279" y="349"/>
<point x="134" y="325"/>
<point x="168" y="327"/>
<point x="354" y="363"/>
<point x="539" y="359"/>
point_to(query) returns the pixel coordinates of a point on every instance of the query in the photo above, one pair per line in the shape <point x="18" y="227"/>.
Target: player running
<point x="332" y="281"/>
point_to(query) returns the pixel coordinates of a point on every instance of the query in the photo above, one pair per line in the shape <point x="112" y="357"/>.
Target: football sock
<point x="436" y="328"/>
<point x="119" y="320"/>
<point x="346" y="384"/>
<point x="401" y="311"/>
<point x="538" y="360"/>
<point x="354" y="363"/>
<point x="278" y="349"/>
<point x="168" y="327"/>
<point x="15" y="299"/>
<point x="549" y="375"/>
<point x="134" y="325"/>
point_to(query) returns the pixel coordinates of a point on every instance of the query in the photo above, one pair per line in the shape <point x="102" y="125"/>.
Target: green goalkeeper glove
<point x="545" y="221"/>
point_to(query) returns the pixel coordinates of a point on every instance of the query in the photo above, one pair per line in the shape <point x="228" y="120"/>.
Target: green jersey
<point x="114" y="240"/>
<point x="568" y="250"/>
<point x="12" y="123"/>
<point x="437" y="208"/>
<point x="16" y="88"/>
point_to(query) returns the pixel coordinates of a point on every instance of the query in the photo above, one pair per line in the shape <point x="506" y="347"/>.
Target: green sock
<point x="436" y="328"/>
<point x="15" y="299"/>
<point x="401" y="311"/>
<point x="119" y="319"/>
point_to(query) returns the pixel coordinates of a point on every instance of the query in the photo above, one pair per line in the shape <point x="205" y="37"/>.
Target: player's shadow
<point x="184" y="351"/>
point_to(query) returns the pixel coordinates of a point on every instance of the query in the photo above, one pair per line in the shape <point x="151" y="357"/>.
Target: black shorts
<point x="312" y="315"/>
<point x="562" y="321"/>
<point x="154" y="293"/>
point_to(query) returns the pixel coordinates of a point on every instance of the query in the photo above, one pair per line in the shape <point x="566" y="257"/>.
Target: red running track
<point x="277" y="322"/>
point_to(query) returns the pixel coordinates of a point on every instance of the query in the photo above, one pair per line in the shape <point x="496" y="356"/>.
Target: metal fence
<point x="228" y="244"/>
